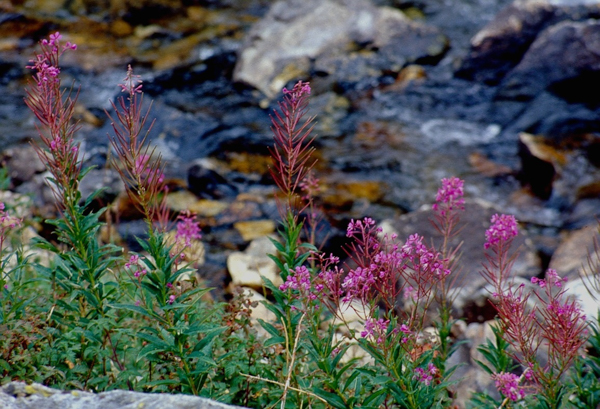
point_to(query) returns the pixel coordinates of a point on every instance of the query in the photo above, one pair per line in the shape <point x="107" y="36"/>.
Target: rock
<point x="563" y="59"/>
<point x="587" y="291"/>
<point x="487" y="167"/>
<point x="442" y="131"/>
<point x="208" y="183"/>
<point x="476" y="219"/>
<point x="106" y="179"/>
<point x="253" y="229"/>
<point x="294" y="33"/>
<point x="185" y="200"/>
<point x="571" y="257"/>
<point x="500" y="45"/>
<point x="19" y="395"/>
<point x="247" y="268"/>
<point x="22" y="163"/>
<point x="540" y="164"/>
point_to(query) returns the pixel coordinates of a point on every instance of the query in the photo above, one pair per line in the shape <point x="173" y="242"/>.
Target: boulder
<point x="501" y="45"/>
<point x="575" y="251"/>
<point x="249" y="267"/>
<point x="564" y="59"/>
<point x="297" y="36"/>
<point x="19" y="395"/>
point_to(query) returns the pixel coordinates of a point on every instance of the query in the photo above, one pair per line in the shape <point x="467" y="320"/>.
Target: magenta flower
<point x="375" y="328"/>
<point x="508" y="385"/>
<point x="298" y="279"/>
<point x="503" y="229"/>
<point x="187" y="229"/>
<point x="450" y="196"/>
<point x="426" y="376"/>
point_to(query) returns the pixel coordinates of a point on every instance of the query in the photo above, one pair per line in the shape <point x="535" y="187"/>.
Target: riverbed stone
<point x="248" y="268"/>
<point x="297" y="34"/>
<point x="19" y="395"/>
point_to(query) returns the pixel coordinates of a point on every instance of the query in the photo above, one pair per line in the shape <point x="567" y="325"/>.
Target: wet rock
<point x="208" y="183"/>
<point x="19" y="395"/>
<point x="563" y="59"/>
<point x="247" y="268"/>
<point x="500" y="45"/>
<point x="476" y="219"/>
<point x="441" y="131"/>
<point x="22" y="163"/>
<point x="539" y="164"/>
<point x="282" y="46"/>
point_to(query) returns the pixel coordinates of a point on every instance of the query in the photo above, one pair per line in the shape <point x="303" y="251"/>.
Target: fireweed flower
<point x="449" y="196"/>
<point x="508" y="385"/>
<point x="139" y="167"/>
<point x="187" y="229"/>
<point x="375" y="329"/>
<point x="54" y="109"/>
<point x="503" y="229"/>
<point x="426" y="376"/>
<point x="293" y="148"/>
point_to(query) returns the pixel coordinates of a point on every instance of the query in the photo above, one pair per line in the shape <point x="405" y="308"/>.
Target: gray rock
<point x="18" y="395"/>
<point x="501" y="45"/>
<point x="297" y="33"/>
<point x="564" y="58"/>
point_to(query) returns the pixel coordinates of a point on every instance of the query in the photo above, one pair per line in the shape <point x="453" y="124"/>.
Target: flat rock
<point x="19" y="395"/>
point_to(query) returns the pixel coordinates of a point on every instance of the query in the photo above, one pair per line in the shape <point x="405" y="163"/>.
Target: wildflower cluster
<point x="557" y="324"/>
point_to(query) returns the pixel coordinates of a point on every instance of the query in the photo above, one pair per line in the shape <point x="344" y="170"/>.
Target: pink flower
<point x="426" y="376"/>
<point x="503" y="229"/>
<point x="450" y="196"/>
<point x="508" y="385"/>
<point x="187" y="229"/>
<point x="171" y="299"/>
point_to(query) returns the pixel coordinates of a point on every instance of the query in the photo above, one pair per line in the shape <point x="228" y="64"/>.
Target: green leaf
<point x="331" y="398"/>
<point x="140" y="310"/>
